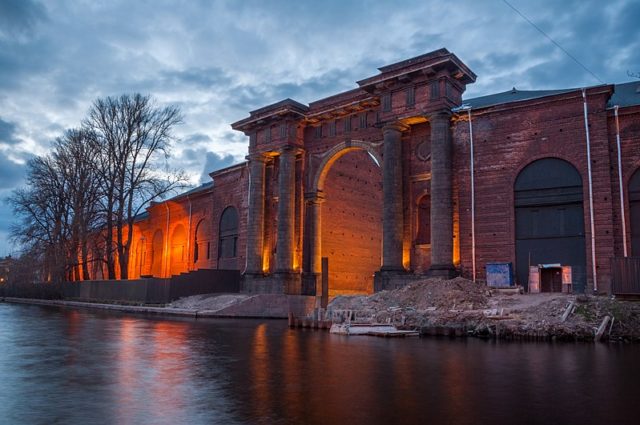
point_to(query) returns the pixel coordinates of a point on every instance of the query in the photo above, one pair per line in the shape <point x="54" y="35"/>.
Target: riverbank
<point x="265" y="306"/>
<point x="459" y="307"/>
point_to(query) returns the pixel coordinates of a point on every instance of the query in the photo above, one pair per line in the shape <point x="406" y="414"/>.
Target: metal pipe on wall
<point x="622" y="215"/>
<point x="166" y="245"/>
<point x="593" y="235"/>
<point x="189" y="238"/>
<point x="473" y="201"/>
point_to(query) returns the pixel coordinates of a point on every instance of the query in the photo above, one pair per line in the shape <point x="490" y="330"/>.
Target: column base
<point x="258" y="283"/>
<point x="311" y="283"/>
<point x="393" y="279"/>
<point x="446" y="271"/>
<point x="291" y="281"/>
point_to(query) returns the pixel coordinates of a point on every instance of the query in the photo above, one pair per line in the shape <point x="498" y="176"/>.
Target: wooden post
<point x="325" y="282"/>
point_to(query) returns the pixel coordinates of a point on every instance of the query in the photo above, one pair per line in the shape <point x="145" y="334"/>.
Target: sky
<point x="218" y="60"/>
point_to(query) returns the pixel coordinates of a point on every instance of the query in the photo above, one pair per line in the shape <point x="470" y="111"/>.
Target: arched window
<point x="228" y="233"/>
<point x="550" y="223"/>
<point x="634" y="212"/>
<point x="201" y="245"/>
<point x="423" y="234"/>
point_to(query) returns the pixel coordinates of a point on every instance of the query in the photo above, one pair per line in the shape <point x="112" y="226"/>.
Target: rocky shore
<point x="459" y="307"/>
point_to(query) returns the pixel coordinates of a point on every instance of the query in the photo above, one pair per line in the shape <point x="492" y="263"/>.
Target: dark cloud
<point x="11" y="173"/>
<point x="215" y="162"/>
<point x="218" y="60"/>
<point x="18" y="17"/>
<point x="8" y="133"/>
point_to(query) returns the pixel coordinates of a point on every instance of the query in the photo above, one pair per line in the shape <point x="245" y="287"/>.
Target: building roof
<point x="513" y="95"/>
<point x="626" y="94"/>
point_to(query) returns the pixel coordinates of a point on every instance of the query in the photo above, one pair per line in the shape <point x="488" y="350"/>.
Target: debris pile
<point x="461" y="307"/>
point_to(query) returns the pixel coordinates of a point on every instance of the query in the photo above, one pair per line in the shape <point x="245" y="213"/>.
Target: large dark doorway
<point x="634" y="213"/>
<point x="550" y="220"/>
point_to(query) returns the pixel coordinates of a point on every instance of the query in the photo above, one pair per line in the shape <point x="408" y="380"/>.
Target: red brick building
<point x="379" y="180"/>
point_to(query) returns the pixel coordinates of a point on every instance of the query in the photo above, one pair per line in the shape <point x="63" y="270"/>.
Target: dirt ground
<point x="459" y="306"/>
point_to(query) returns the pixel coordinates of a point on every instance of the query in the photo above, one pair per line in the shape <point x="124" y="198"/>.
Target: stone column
<point x="392" y="219"/>
<point x="286" y="210"/>
<point x="441" y="195"/>
<point x="314" y="204"/>
<point x="255" y="224"/>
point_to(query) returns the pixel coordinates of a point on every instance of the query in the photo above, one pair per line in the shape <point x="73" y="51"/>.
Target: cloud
<point x="11" y="173"/>
<point x="8" y="133"/>
<point x="215" y="162"/>
<point x="218" y="60"/>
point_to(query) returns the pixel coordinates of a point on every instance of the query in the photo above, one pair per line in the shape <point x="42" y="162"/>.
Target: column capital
<point x="290" y="149"/>
<point x="257" y="157"/>
<point x="395" y="126"/>
<point x="440" y="114"/>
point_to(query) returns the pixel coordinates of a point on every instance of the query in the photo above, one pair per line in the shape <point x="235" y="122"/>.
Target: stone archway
<point x="339" y="150"/>
<point x="347" y="199"/>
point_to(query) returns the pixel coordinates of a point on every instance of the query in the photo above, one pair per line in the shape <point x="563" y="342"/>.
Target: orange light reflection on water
<point x="260" y="373"/>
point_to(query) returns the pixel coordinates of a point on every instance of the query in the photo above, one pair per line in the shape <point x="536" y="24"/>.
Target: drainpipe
<point x="246" y="255"/>
<point x="624" y="221"/>
<point x="166" y="245"/>
<point x="189" y="238"/>
<point x="473" y="200"/>
<point x="473" y="190"/>
<point x="593" y="234"/>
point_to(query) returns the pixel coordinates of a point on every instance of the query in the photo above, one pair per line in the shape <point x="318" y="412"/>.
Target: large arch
<point x="549" y="217"/>
<point x="336" y="152"/>
<point x="178" y="251"/>
<point x="634" y="212"/>
<point x="228" y="239"/>
<point x="347" y="227"/>
<point x="156" y="253"/>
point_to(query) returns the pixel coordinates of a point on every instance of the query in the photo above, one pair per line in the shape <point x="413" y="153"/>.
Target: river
<point x="68" y="366"/>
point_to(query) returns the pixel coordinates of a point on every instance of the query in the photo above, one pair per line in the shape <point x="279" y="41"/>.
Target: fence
<point x="147" y="290"/>
<point x="625" y="276"/>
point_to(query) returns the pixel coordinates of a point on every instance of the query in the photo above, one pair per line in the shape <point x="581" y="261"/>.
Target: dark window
<point x="634" y="212"/>
<point x="252" y="139"/>
<point x="411" y="96"/>
<point x="318" y="132"/>
<point x="347" y="124"/>
<point x="386" y="102"/>
<point x="283" y="130"/>
<point x="423" y="235"/>
<point x="332" y="129"/>
<point x="267" y="135"/>
<point x="363" y="120"/>
<point x="228" y="233"/>
<point x="200" y="240"/>
<point x="447" y="89"/>
<point x="435" y="90"/>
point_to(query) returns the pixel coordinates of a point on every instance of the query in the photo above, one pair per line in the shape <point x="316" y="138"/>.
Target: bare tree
<point x="133" y="135"/>
<point x="76" y="155"/>
<point x="42" y="206"/>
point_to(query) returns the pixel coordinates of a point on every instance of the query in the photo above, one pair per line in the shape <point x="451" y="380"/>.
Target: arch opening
<point x="549" y="218"/>
<point x="351" y="216"/>
<point x="201" y="245"/>
<point x="156" y="254"/>
<point x="228" y="242"/>
<point x="178" y="254"/>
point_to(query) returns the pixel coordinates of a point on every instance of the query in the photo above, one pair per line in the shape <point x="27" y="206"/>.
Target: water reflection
<point x="79" y="367"/>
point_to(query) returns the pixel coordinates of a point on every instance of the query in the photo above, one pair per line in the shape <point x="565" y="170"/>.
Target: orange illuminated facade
<point x="377" y="180"/>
